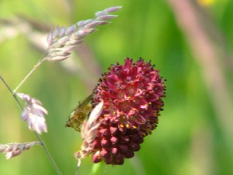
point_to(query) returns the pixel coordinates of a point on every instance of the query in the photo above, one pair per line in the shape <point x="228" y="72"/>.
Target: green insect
<point x="79" y="114"/>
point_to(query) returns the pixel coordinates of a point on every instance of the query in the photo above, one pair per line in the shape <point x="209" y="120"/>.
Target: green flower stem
<point x="28" y="75"/>
<point x="16" y="99"/>
<point x="48" y="154"/>
<point x="21" y="107"/>
<point x="96" y="168"/>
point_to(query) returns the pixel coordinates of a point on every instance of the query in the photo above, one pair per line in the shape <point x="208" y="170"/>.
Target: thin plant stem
<point x="28" y="75"/>
<point x="76" y="173"/>
<point x="21" y="107"/>
<point x="8" y="87"/>
<point x="48" y="154"/>
<point x="96" y="168"/>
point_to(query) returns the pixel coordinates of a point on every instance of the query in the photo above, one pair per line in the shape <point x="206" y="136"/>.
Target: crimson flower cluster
<point x="132" y="94"/>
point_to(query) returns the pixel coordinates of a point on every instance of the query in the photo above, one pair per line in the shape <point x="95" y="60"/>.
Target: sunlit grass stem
<point x="28" y="75"/>
<point x="21" y="107"/>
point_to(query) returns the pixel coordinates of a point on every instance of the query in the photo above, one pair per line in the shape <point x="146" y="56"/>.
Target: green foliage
<point x="189" y="138"/>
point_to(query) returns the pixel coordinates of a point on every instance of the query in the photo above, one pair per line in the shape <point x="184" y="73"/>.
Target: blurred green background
<point x="190" y="42"/>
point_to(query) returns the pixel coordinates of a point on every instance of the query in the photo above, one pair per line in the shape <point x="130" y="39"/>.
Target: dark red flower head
<point x="132" y="95"/>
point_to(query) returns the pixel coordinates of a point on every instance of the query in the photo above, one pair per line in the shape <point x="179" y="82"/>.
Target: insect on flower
<point x="79" y="114"/>
<point x="133" y="98"/>
<point x="126" y="107"/>
<point x="89" y="132"/>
